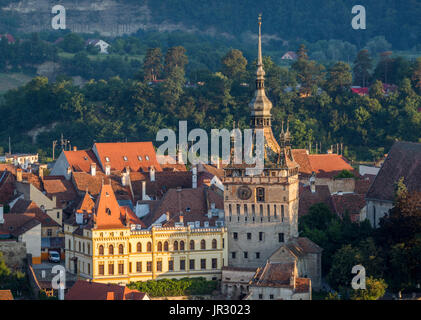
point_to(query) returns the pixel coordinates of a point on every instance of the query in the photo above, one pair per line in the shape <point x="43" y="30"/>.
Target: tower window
<point x="249" y="236"/>
<point x="281" y="237"/>
<point x="260" y="194"/>
<point x="235" y="235"/>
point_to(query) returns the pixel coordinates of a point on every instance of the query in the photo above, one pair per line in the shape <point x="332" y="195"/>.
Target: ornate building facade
<point x="109" y="244"/>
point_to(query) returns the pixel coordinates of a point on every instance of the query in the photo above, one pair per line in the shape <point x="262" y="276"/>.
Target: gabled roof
<point x="108" y="212"/>
<point x="87" y="290"/>
<point x="350" y="203"/>
<point x="193" y="204"/>
<point x="61" y="188"/>
<point x="324" y="165"/>
<point x="28" y="206"/>
<point x="17" y="224"/>
<point x="403" y="160"/>
<point x="86" y="205"/>
<point x="81" y="160"/>
<point x="136" y="154"/>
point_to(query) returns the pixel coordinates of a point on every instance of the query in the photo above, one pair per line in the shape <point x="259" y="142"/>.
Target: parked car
<point x="54" y="256"/>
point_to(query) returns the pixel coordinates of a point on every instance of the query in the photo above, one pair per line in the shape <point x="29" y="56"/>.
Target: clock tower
<point x="261" y="211"/>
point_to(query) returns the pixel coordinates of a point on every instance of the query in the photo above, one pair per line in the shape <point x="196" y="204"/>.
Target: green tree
<point x="362" y="67"/>
<point x="234" y="64"/>
<point x="152" y="65"/>
<point x="175" y="58"/>
<point x="339" y="78"/>
<point x="72" y="43"/>
<point x="375" y="289"/>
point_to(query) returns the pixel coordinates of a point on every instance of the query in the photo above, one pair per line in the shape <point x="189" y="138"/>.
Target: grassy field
<point x="12" y="80"/>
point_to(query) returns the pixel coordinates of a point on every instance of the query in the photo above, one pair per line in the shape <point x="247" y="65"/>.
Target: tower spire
<point x="259" y="58"/>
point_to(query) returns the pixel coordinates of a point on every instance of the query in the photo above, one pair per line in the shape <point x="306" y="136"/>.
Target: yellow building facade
<point x="123" y="255"/>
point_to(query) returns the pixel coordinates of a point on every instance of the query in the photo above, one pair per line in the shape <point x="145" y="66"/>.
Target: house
<point x="7" y="36"/>
<point x="351" y="204"/>
<point x="88" y="290"/>
<point x="178" y="237"/>
<point x="290" y="55"/>
<point x="360" y="91"/>
<point x="279" y="281"/>
<point x="312" y="195"/>
<point x="402" y="161"/>
<point x="101" y="44"/>
<point x="24" y="160"/>
<point x="325" y="168"/>
<point x="17" y="231"/>
<point x="107" y="157"/>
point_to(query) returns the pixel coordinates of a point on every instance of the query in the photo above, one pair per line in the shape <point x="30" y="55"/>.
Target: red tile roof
<point x="6" y="295"/>
<point x="116" y="152"/>
<point x="28" y="206"/>
<point x="108" y="212"/>
<point x="81" y="160"/>
<point x="86" y="290"/>
<point x="350" y="203"/>
<point x="17" y="224"/>
<point x="7" y="186"/>
<point x="61" y="188"/>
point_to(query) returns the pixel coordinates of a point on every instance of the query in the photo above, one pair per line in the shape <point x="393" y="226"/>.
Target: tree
<point x="362" y="67"/>
<point x="376" y="90"/>
<point x="152" y="65"/>
<point x="339" y="78"/>
<point x="72" y="43"/>
<point x="416" y="75"/>
<point x="175" y="57"/>
<point x="384" y="67"/>
<point x="377" y="45"/>
<point x="375" y="289"/>
<point x="234" y="64"/>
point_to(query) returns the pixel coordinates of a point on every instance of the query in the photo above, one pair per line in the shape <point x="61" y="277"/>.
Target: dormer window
<point x="107" y="159"/>
<point x="125" y="158"/>
<point x="188" y="209"/>
<point x="86" y="158"/>
<point x="147" y="158"/>
<point x="108" y="211"/>
<point x="140" y="158"/>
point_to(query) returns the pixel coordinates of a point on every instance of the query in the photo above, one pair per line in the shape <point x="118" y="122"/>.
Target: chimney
<point x="194" y="177"/>
<point x="125" y="179"/>
<point x="93" y="169"/>
<point x="107" y="169"/>
<point x="152" y="173"/>
<point x="181" y="218"/>
<point x="1" y="214"/>
<point x="19" y="175"/>
<point x="110" y="295"/>
<point x="74" y="148"/>
<point x="167" y="216"/>
<point x="179" y="155"/>
<point x="143" y="190"/>
<point x="41" y="173"/>
<point x="313" y="182"/>
<point x="69" y="173"/>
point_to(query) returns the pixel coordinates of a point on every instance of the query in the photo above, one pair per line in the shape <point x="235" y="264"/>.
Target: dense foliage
<point x="175" y="287"/>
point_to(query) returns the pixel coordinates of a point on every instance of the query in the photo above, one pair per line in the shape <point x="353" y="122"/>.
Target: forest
<point x="120" y="102"/>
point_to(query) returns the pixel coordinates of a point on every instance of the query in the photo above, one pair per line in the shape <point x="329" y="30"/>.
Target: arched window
<point x="83" y="247"/>
<point x="111" y="249"/>
<point x="120" y="249"/>
<point x="175" y="245"/>
<point x="70" y="245"/>
<point x="89" y="249"/>
<point x="149" y="247"/>
<point x="268" y="210"/>
<point x="261" y="210"/>
<point x="130" y="247"/>
<point x="282" y="212"/>
<point x="79" y="246"/>
<point x="101" y="250"/>
<point x="182" y="245"/>
<point x="203" y="244"/>
<point x="191" y="244"/>
<point x="166" y="246"/>
<point x="159" y="246"/>
<point x="139" y="247"/>
<point x="214" y="244"/>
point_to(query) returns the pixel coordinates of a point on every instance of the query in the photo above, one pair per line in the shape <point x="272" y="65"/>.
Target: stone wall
<point x="14" y="254"/>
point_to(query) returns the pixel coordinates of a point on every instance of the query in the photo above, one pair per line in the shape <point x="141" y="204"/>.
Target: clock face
<point x="244" y="193"/>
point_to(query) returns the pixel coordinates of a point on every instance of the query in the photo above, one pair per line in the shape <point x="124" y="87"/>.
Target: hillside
<point x="309" y="20"/>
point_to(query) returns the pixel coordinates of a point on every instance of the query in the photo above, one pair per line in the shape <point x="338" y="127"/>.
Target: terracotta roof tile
<point x="126" y="154"/>
<point x="81" y="160"/>
<point x="17" y="224"/>
<point x="6" y="295"/>
<point x="61" y="188"/>
<point x="308" y="198"/>
<point x="350" y="203"/>
<point x="28" y="206"/>
<point x="86" y="290"/>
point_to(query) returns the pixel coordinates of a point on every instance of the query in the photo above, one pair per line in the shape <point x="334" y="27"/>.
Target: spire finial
<point x="282" y="126"/>
<point x="259" y="57"/>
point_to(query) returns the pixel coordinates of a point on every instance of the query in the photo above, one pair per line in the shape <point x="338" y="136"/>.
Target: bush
<point x="175" y="287"/>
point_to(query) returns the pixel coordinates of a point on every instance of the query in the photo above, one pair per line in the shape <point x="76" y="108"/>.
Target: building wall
<point x="377" y="209"/>
<point x="32" y="239"/>
<point x="235" y="283"/>
<point x="264" y="293"/>
<point x="334" y="185"/>
<point x="130" y="257"/>
<point x="280" y="192"/>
